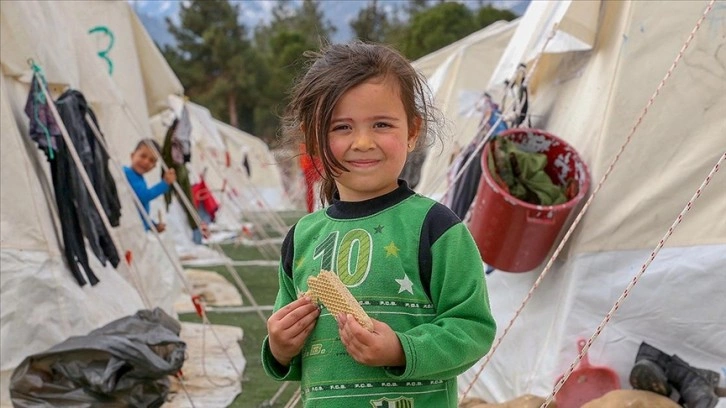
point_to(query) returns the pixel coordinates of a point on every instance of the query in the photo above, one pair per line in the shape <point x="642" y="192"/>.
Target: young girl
<point x="143" y="160"/>
<point x="407" y="259"/>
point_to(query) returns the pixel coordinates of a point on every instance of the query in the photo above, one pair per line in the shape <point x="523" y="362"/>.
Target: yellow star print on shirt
<point x="391" y="249"/>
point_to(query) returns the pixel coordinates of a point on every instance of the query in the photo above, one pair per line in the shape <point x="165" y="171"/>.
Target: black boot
<point x="695" y="389"/>
<point x="649" y="371"/>
<point x="712" y="377"/>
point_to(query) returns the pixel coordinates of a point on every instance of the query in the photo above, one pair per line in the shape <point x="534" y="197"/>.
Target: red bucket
<point x="514" y="235"/>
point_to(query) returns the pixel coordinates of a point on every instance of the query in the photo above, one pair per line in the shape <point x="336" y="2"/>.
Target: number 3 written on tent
<point x="104" y="53"/>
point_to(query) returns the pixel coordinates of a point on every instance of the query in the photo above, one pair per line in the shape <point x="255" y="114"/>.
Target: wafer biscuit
<point x="328" y="289"/>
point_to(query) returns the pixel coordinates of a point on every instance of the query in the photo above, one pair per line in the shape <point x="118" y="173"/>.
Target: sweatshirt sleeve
<point x="286" y="294"/>
<point x="464" y="322"/>
<point x="153" y="192"/>
<point x="138" y="184"/>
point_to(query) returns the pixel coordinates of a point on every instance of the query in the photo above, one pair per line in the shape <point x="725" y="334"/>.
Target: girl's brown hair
<point x="333" y="71"/>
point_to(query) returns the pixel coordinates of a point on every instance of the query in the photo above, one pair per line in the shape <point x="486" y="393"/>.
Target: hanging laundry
<point x="72" y="108"/>
<point x="102" y="179"/>
<point x="74" y="247"/>
<point x="43" y="129"/>
<point x="183" y="137"/>
<point x="182" y="174"/>
<point x="464" y="190"/>
<point x="246" y="165"/>
<point x="204" y="198"/>
<point x="77" y="214"/>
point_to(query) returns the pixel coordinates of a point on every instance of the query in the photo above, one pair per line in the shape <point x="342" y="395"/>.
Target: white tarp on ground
<point x="212" y="368"/>
<point x="592" y="100"/>
<point x="213" y="287"/>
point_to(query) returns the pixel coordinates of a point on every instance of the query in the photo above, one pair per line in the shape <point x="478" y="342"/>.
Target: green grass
<point x="257" y="388"/>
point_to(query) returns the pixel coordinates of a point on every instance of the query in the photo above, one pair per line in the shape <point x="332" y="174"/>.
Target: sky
<point x="153" y="12"/>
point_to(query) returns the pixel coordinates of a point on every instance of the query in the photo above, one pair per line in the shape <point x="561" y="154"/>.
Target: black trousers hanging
<point x="73" y="244"/>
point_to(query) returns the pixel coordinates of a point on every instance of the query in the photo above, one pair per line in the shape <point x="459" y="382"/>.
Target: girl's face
<point x="369" y="135"/>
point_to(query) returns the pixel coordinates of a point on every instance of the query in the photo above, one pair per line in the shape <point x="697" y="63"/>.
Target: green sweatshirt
<point x="412" y="264"/>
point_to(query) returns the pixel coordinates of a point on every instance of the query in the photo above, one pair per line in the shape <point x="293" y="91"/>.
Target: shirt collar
<point x="357" y="209"/>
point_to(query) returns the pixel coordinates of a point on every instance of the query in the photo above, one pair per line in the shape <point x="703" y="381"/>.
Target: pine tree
<point x="489" y="14"/>
<point x="437" y="27"/>
<point x="282" y="42"/>
<point x="215" y="61"/>
<point x="371" y="23"/>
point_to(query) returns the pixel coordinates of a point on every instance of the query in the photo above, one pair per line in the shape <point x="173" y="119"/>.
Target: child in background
<point x="409" y="261"/>
<point x="143" y="160"/>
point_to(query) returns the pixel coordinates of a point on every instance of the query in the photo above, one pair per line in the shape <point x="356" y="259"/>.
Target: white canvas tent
<point x="592" y="99"/>
<point x="36" y="285"/>
<point x="458" y="75"/>
<point x="265" y="177"/>
<point x="40" y="302"/>
<point x="207" y="149"/>
<point x="218" y="153"/>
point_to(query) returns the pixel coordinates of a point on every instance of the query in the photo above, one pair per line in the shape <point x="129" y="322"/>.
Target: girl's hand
<point x="204" y="229"/>
<point x="289" y="327"/>
<point x="170" y="176"/>
<point x="380" y="347"/>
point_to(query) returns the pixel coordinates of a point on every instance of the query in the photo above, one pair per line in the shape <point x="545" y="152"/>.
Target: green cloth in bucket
<point x="523" y="173"/>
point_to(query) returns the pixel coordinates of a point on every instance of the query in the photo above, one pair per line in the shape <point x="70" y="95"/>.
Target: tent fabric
<point x="592" y="99"/>
<point x="664" y="309"/>
<point x="36" y="287"/>
<point x="40" y="304"/>
<point x="218" y="153"/>
<point x="457" y="84"/>
<point x="159" y="79"/>
<point x="265" y="175"/>
<point x="428" y="64"/>
<point x="574" y="24"/>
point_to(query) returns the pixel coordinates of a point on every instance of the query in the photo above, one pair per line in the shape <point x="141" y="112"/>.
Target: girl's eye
<point x="340" y="127"/>
<point x="381" y="125"/>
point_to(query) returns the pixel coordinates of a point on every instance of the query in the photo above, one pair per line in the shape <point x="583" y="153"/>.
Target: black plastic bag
<point x="123" y="364"/>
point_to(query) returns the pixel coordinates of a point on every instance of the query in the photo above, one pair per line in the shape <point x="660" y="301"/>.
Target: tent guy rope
<point x="634" y="281"/>
<point x="270" y="250"/>
<point x="267" y="251"/>
<point x="587" y="204"/>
